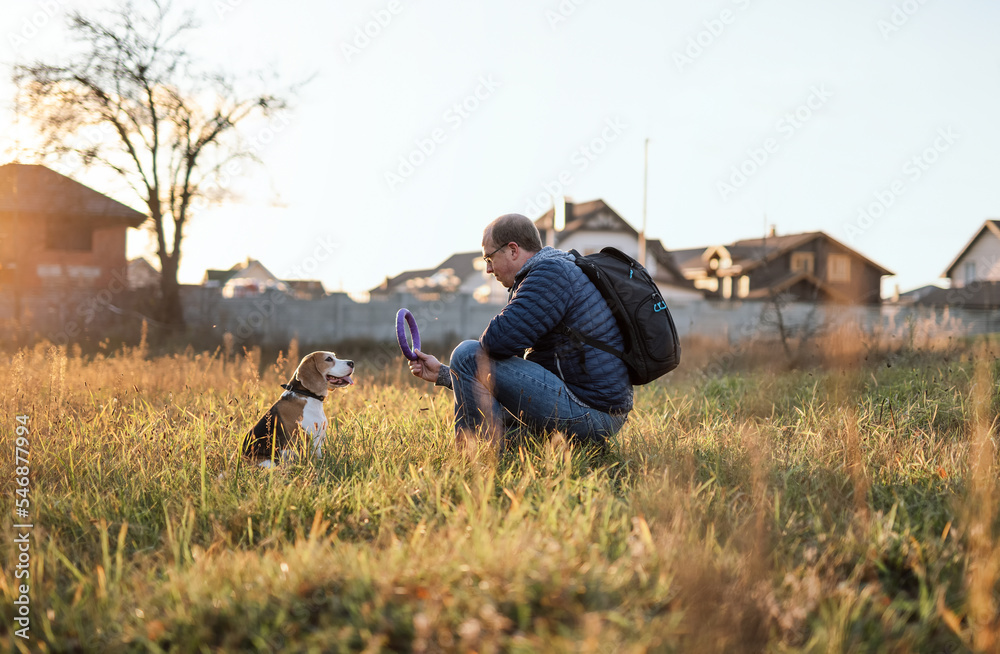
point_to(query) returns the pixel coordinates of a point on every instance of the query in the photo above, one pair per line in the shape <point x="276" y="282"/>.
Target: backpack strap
<point x="579" y="339"/>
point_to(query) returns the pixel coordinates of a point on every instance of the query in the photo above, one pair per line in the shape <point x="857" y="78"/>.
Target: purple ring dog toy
<point x="402" y="316"/>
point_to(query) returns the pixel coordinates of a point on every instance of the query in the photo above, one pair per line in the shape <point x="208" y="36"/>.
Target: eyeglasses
<point x="489" y="257"/>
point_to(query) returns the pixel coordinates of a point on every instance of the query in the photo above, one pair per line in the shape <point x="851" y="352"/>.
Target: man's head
<point x="508" y="243"/>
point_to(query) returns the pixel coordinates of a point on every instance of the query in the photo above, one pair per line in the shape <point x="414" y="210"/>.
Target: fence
<point x="274" y="318"/>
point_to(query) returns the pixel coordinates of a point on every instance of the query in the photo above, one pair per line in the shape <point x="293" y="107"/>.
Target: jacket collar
<point x="547" y="252"/>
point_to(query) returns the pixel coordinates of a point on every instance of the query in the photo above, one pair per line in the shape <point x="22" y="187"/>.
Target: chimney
<point x="560" y="208"/>
<point x="772" y="231"/>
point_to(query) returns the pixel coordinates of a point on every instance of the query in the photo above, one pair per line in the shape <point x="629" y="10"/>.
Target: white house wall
<point x="985" y="252"/>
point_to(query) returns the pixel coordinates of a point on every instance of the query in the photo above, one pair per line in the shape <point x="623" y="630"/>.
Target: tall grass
<point x="848" y="507"/>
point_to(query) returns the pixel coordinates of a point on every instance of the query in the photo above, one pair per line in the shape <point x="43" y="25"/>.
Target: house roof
<point x="747" y="254"/>
<point x="305" y="288"/>
<point x="599" y="215"/>
<point x="992" y="225"/>
<point x="305" y="284"/>
<point x="462" y="265"/>
<point x="915" y="294"/>
<point x="667" y="271"/>
<point x="220" y="276"/>
<point x="223" y="276"/>
<point x="977" y="295"/>
<point x="756" y="251"/>
<point x="32" y="188"/>
<point x="142" y="264"/>
<point x="581" y="215"/>
<point x="763" y="250"/>
<point x="689" y="258"/>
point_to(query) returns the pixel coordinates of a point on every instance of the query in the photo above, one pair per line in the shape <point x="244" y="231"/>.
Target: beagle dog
<point x="274" y="436"/>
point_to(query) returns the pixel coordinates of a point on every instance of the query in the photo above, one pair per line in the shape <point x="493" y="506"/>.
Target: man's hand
<point x="426" y="367"/>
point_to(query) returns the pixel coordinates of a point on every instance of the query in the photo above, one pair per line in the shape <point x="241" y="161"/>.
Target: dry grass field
<point x="848" y="505"/>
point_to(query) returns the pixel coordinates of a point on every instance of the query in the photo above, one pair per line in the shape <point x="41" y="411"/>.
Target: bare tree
<point x="165" y="126"/>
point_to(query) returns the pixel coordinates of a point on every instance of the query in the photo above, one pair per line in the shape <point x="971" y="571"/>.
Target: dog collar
<point x="297" y="388"/>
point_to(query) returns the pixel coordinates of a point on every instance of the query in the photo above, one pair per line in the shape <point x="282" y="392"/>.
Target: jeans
<point x="518" y="395"/>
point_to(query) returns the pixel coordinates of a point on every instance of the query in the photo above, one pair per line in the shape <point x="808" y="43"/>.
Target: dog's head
<point x="321" y="370"/>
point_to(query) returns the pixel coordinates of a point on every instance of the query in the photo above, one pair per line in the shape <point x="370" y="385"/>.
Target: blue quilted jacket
<point x="548" y="289"/>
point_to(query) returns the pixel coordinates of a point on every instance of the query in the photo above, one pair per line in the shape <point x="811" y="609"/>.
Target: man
<point x="524" y="372"/>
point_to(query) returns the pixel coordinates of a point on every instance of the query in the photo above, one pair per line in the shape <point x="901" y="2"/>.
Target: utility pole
<point x="645" y="192"/>
<point x="14" y="227"/>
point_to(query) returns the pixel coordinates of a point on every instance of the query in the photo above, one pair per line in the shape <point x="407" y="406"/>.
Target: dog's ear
<point x="309" y="374"/>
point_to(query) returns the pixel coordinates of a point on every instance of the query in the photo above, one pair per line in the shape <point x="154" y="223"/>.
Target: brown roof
<point x="752" y="252"/>
<point x="758" y="250"/>
<point x="305" y="285"/>
<point x="689" y="258"/>
<point x="577" y="217"/>
<point x="32" y="188"/>
<point x="577" y="214"/>
<point x="668" y="271"/>
<point x="306" y="288"/>
<point x="977" y="295"/>
<point x="462" y="265"/>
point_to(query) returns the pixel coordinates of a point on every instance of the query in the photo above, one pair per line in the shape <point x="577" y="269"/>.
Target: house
<point x="141" y="274"/>
<point x="243" y="280"/>
<point x="974" y="275"/>
<point x="977" y="295"/>
<point x="58" y="235"/>
<point x="306" y="289"/>
<point x="809" y="267"/>
<point x="464" y="272"/>
<point x="979" y="260"/>
<point x="916" y="295"/>
<point x="588" y="227"/>
<point x="252" y="278"/>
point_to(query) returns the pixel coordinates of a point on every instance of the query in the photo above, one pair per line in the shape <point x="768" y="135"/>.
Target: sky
<point x="875" y="121"/>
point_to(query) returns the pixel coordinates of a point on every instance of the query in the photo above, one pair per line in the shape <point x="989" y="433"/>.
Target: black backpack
<point x="651" y="346"/>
